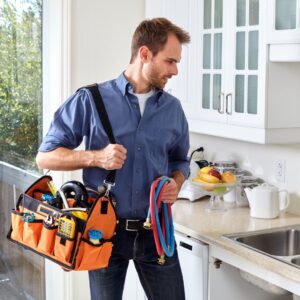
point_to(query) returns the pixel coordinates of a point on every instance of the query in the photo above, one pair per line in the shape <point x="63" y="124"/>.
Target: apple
<point x="215" y="173"/>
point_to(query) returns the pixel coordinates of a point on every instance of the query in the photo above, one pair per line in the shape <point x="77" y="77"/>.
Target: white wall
<point x="101" y="38"/>
<point x="259" y="159"/>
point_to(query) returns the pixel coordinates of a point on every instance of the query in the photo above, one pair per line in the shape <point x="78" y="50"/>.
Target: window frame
<point x="56" y="87"/>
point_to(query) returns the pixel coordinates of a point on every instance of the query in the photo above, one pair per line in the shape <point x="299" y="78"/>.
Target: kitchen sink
<point x="280" y="243"/>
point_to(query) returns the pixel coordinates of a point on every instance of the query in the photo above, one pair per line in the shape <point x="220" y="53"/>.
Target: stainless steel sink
<point x="280" y="243"/>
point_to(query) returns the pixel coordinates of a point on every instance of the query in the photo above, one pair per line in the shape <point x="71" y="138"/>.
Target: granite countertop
<point x="191" y="219"/>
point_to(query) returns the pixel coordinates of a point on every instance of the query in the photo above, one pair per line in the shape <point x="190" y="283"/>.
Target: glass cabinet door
<point x="212" y="64"/>
<point x="246" y="57"/>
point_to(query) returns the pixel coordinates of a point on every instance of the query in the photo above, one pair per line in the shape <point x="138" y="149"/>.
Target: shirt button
<point x="137" y="192"/>
<point x="139" y="148"/>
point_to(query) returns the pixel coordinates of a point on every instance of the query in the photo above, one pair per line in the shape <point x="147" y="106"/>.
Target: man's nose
<point x="174" y="70"/>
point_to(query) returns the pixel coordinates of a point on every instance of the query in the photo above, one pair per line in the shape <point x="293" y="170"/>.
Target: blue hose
<point x="168" y="245"/>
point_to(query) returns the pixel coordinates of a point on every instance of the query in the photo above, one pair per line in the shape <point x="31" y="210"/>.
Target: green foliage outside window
<point x="20" y="81"/>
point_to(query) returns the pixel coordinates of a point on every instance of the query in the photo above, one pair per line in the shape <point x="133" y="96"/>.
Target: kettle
<point x="267" y="201"/>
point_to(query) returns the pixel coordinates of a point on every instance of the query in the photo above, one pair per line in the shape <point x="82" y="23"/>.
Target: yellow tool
<point x="80" y="214"/>
<point x="66" y="227"/>
<point x="52" y="188"/>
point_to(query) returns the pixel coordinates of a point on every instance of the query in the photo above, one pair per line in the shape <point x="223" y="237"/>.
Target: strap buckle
<point x="108" y="186"/>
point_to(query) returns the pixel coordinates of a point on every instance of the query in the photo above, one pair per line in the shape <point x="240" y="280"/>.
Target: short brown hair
<point x="154" y="34"/>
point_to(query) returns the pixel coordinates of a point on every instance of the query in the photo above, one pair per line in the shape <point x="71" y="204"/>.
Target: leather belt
<point x="131" y="225"/>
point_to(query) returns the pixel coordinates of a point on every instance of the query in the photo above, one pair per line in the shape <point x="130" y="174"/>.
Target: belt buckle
<point x="126" y="226"/>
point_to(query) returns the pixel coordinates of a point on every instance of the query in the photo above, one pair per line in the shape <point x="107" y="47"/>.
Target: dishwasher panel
<point x="193" y="257"/>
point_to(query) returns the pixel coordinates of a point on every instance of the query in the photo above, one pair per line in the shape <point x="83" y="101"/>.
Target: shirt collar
<point x="122" y="84"/>
<point x="126" y="87"/>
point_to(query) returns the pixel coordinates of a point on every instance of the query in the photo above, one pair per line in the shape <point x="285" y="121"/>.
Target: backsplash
<point x="259" y="159"/>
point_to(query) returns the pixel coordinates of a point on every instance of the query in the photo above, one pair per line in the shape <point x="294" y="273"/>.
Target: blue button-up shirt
<point x="157" y="143"/>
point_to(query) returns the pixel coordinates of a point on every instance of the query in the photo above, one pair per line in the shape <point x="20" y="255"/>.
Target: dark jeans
<point x="160" y="282"/>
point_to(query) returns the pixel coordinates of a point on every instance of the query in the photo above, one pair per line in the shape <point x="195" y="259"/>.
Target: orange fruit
<point x="228" y="177"/>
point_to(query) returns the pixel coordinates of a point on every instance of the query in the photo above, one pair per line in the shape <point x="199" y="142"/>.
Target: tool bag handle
<point x="98" y="100"/>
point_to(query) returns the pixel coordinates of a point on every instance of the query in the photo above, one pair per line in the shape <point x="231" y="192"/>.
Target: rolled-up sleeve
<point x="69" y="124"/>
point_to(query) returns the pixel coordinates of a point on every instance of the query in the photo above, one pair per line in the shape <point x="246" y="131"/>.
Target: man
<point x="152" y="140"/>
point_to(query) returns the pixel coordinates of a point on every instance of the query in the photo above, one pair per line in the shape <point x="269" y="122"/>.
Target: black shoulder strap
<point x="93" y="88"/>
<point x="102" y="111"/>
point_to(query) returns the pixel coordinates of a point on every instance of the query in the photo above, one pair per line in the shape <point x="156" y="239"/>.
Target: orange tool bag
<point x="66" y="239"/>
<point x="75" y="237"/>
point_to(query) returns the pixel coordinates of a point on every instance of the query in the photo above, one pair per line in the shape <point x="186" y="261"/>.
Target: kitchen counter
<point x="191" y="219"/>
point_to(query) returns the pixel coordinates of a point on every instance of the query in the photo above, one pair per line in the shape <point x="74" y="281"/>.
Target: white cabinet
<point x="232" y="67"/>
<point x="224" y="80"/>
<point x="284" y="30"/>
<point x="226" y="283"/>
<point x="283" y="21"/>
<point x="193" y="257"/>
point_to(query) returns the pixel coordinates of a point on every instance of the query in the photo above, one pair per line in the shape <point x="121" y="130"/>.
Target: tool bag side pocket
<point x="32" y="232"/>
<point x="102" y="218"/>
<point x="92" y="257"/>
<point x="47" y="240"/>
<point x="63" y="248"/>
<point x="17" y="226"/>
<point x="66" y="237"/>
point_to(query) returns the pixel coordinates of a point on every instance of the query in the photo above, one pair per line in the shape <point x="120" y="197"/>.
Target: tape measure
<point x="66" y="227"/>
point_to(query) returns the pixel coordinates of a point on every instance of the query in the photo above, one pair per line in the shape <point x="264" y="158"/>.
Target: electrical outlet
<point x="280" y="170"/>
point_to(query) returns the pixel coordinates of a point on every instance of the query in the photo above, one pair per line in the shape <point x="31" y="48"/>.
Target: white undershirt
<point x="142" y="98"/>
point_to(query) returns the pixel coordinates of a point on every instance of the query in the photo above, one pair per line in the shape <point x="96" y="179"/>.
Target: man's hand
<point x="112" y="157"/>
<point x="170" y="192"/>
<point x="172" y="189"/>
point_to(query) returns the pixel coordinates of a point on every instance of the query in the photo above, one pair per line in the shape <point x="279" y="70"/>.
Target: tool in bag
<point x="72" y="226"/>
<point x="77" y="191"/>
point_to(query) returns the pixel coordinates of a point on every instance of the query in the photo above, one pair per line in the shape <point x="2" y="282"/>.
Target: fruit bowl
<point x="216" y="192"/>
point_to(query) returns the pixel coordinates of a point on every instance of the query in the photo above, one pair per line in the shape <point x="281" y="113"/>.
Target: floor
<point x="8" y="286"/>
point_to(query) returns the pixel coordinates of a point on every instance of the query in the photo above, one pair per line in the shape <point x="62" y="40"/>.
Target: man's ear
<point x="145" y="54"/>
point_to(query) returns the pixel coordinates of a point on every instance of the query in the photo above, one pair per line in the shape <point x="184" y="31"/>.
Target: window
<point x="22" y="275"/>
<point x="20" y="81"/>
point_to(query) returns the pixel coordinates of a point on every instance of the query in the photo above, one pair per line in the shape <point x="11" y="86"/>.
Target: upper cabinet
<point x="284" y="21"/>
<point x="227" y="84"/>
<point x="230" y="70"/>
<point x="284" y="30"/>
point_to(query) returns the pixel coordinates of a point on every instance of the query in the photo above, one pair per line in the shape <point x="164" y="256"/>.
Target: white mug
<point x="267" y="201"/>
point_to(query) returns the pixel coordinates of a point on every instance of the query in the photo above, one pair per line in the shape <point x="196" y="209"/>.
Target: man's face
<point x="163" y="65"/>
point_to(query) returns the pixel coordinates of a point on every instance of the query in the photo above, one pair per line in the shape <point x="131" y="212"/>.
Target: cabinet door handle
<point x="221" y="103"/>
<point x="229" y="107"/>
